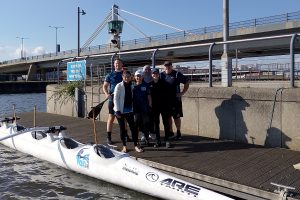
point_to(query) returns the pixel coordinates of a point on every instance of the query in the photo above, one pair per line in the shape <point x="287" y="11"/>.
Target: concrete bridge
<point x="180" y="46"/>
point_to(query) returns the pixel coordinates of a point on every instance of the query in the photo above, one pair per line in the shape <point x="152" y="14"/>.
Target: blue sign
<point x="76" y="70"/>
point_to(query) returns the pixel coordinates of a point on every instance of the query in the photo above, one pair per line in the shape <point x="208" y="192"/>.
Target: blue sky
<point x="31" y="18"/>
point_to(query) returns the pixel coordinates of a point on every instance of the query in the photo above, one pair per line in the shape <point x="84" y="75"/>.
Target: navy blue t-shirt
<point x="113" y="78"/>
<point x="140" y="98"/>
<point x="159" y="95"/>
<point x="172" y="82"/>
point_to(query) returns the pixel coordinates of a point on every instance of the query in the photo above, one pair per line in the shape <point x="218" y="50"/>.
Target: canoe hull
<point x="105" y="164"/>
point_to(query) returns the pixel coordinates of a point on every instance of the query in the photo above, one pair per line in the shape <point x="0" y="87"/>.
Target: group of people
<point x="140" y="101"/>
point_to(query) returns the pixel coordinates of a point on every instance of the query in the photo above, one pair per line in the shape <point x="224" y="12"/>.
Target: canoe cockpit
<point x="103" y="151"/>
<point x="38" y="135"/>
<point x="69" y="143"/>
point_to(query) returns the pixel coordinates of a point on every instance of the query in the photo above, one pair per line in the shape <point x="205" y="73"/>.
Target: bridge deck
<point x="243" y="170"/>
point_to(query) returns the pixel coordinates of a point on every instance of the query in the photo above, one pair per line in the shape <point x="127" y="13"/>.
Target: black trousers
<point x="129" y="117"/>
<point x="142" y="121"/>
<point x="165" y="115"/>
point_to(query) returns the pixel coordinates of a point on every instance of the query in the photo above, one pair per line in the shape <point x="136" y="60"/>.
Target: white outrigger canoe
<point x="100" y="162"/>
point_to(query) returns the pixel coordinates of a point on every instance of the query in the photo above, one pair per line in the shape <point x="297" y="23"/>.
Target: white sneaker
<point x="152" y="136"/>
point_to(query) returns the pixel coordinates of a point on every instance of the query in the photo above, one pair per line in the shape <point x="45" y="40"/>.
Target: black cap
<point x="167" y="63"/>
<point x="155" y="70"/>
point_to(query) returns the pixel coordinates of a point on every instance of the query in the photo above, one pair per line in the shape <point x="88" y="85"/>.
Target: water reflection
<point x="23" y="102"/>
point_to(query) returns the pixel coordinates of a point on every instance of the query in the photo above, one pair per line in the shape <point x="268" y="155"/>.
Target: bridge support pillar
<point x="31" y="72"/>
<point x="226" y="70"/>
<point x="43" y="75"/>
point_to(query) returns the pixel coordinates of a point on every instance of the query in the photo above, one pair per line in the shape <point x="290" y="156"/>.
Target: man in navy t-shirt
<point x="111" y="80"/>
<point x="173" y="79"/>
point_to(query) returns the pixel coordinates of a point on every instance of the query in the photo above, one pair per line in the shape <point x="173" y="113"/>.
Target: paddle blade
<point x="96" y="110"/>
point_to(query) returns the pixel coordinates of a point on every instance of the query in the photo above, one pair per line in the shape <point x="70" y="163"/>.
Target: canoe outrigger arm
<point x="54" y="129"/>
<point x="9" y="119"/>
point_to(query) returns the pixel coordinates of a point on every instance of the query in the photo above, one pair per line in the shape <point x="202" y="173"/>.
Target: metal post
<point x="78" y="29"/>
<point x="56" y="27"/>
<point x="153" y="58"/>
<point x="56" y="41"/>
<point x="34" y="116"/>
<point x="91" y="75"/>
<point x="22" y="47"/>
<point x="92" y="88"/>
<point x="76" y="103"/>
<point x="225" y="24"/>
<point x="58" y="68"/>
<point x="226" y="61"/>
<point x="83" y="95"/>
<point x="14" y="112"/>
<point x="210" y="64"/>
<point x="292" y="53"/>
<point x="236" y="63"/>
<point x="78" y="33"/>
<point x="114" y="13"/>
<point x="112" y="59"/>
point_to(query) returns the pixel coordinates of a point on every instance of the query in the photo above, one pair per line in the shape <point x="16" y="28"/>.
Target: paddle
<point x="94" y="126"/>
<point x="96" y="110"/>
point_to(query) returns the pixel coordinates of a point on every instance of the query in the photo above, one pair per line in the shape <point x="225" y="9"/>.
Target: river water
<point x="23" y="103"/>
<point x="25" y="177"/>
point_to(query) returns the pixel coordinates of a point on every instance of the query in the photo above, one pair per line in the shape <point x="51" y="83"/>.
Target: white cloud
<point x="17" y="53"/>
<point x="10" y="53"/>
<point x="38" y="51"/>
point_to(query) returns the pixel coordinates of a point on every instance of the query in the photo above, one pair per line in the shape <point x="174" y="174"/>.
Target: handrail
<point x="204" y="30"/>
<point x="292" y="53"/>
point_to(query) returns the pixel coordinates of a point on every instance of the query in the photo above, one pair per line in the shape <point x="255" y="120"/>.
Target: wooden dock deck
<point x="242" y="170"/>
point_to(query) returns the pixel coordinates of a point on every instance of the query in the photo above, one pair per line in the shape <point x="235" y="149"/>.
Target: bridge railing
<point x="212" y="29"/>
<point x="248" y="72"/>
<point x="200" y="31"/>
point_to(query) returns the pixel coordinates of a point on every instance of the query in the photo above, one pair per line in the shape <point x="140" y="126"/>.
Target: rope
<point x="172" y="27"/>
<point x="133" y="27"/>
<point x="96" y="32"/>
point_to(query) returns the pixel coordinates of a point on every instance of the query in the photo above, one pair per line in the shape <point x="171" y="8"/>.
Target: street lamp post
<point x="56" y="27"/>
<point x="22" y="47"/>
<point x="226" y="60"/>
<point x="78" y="29"/>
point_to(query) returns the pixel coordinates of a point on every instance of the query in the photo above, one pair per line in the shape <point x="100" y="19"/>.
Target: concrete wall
<point x="263" y="116"/>
<point x="250" y="115"/>
<point x="63" y="106"/>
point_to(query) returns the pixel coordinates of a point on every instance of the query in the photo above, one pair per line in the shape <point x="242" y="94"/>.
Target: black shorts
<point x="177" y="109"/>
<point x="111" y="107"/>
